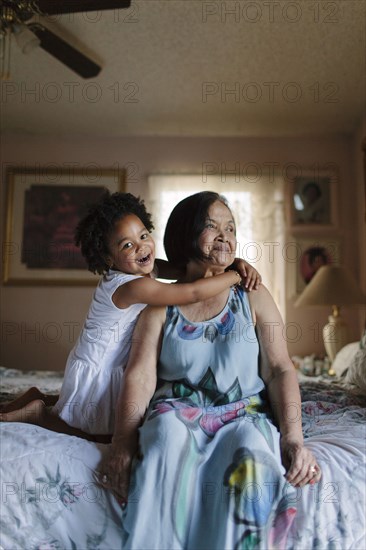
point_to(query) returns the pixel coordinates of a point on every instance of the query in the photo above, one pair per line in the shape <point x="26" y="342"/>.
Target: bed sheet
<point x="50" y="498"/>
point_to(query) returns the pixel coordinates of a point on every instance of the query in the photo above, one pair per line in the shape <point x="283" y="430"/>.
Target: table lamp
<point x="333" y="286"/>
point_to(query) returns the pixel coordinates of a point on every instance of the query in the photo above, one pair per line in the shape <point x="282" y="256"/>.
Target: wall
<point x="30" y="314"/>
<point x="360" y="180"/>
<point x="359" y="164"/>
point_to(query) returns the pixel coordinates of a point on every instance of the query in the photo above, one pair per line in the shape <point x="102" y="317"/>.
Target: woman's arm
<point x="138" y="386"/>
<point x="148" y="291"/>
<point x="279" y="375"/>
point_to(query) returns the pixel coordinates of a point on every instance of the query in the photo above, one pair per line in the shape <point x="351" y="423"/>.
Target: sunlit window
<point x="258" y="212"/>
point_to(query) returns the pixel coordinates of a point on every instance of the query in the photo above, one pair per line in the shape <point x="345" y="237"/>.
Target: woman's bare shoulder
<point x="261" y="303"/>
<point x="149" y="328"/>
<point x="153" y="315"/>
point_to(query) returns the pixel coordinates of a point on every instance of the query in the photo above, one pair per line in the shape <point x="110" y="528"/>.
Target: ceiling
<point x="294" y="69"/>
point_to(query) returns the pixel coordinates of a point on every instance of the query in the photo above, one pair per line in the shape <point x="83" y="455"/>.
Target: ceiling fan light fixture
<point x="26" y="40"/>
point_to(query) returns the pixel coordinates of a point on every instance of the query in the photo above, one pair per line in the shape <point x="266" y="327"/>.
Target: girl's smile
<point x="145" y="260"/>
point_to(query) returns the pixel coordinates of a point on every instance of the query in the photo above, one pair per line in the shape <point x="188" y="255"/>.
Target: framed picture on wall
<point x="42" y="212"/>
<point x="312" y="201"/>
<point x="311" y="254"/>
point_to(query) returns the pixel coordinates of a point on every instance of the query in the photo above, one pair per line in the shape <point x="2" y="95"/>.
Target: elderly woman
<point x="197" y="458"/>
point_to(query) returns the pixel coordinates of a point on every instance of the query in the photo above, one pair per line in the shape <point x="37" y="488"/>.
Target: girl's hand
<point x="251" y="277"/>
<point x="115" y="470"/>
<point x="300" y="463"/>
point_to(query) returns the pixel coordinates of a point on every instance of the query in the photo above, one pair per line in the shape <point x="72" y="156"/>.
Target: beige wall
<point x="360" y="176"/>
<point x="51" y="312"/>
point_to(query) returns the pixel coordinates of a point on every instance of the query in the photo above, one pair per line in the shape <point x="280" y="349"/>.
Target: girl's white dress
<point x="94" y="368"/>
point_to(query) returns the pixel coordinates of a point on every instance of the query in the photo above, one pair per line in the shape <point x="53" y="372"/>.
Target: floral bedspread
<point x="50" y="498"/>
<point x="332" y="393"/>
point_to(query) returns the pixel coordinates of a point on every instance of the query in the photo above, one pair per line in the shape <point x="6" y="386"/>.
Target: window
<point x="257" y="205"/>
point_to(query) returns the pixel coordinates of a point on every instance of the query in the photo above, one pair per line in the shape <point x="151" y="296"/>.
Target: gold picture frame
<point x="42" y="210"/>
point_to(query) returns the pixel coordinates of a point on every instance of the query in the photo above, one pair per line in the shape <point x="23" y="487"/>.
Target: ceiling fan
<point x="22" y="18"/>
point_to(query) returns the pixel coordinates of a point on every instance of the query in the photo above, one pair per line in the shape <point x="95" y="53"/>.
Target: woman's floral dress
<point x="209" y="475"/>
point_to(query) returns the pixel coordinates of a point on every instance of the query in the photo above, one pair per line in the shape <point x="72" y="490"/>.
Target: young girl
<point x="116" y="243"/>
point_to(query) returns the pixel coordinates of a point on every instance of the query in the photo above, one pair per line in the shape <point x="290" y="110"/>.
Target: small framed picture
<point x="311" y="254"/>
<point x="312" y="201"/>
<point x="43" y="210"/>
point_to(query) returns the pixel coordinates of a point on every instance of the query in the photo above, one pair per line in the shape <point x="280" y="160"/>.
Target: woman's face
<point x="218" y="239"/>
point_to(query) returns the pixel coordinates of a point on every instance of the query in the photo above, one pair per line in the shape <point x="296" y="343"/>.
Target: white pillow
<point x="344" y="357"/>
<point x="356" y="374"/>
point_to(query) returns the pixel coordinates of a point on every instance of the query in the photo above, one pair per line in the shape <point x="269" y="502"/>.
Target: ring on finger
<point x="315" y="470"/>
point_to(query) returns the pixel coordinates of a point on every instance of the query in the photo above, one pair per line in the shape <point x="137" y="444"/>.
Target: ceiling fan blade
<point x="65" y="53"/>
<point x="53" y="7"/>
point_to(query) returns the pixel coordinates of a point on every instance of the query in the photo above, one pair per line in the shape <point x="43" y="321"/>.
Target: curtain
<point x="258" y="208"/>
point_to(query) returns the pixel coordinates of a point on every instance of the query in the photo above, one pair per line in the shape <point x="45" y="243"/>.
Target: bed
<point x="50" y="498"/>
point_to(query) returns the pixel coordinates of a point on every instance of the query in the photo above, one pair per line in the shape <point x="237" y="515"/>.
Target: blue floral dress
<point x="209" y="475"/>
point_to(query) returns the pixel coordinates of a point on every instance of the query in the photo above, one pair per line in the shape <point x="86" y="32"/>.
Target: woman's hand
<point x="252" y="279"/>
<point x="300" y="463"/>
<point x="115" y="471"/>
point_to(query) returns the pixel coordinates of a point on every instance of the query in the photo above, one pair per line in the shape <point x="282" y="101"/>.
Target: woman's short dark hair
<point x="93" y="231"/>
<point x="185" y="225"/>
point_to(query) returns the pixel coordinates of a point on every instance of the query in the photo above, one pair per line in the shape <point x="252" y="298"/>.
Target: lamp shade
<point x="331" y="285"/>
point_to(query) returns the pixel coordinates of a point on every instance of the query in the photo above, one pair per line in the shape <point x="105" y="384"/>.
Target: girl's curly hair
<point x="93" y="231"/>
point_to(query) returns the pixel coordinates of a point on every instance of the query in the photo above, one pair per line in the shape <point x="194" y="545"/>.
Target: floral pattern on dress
<point x="209" y="330"/>
<point x="204" y="406"/>
<point x="250" y="477"/>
